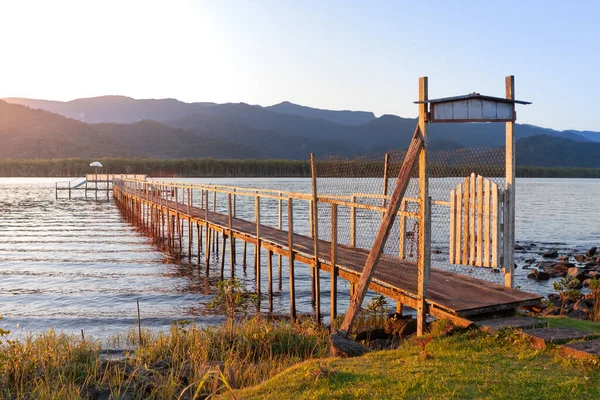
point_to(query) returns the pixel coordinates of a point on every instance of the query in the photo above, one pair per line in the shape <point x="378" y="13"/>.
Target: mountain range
<point x="168" y="128"/>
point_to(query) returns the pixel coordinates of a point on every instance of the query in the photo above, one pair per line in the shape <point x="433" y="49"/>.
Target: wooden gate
<point x="475" y="222"/>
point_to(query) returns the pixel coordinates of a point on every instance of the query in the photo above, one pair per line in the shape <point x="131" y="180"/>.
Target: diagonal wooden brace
<point x="410" y="161"/>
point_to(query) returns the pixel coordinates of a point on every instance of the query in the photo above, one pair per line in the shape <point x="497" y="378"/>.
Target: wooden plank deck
<point x="448" y="294"/>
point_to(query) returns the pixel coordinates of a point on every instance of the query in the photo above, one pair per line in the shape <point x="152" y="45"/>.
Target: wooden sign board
<point x="472" y="110"/>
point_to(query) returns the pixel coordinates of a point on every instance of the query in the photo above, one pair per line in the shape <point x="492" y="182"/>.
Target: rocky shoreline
<point x="573" y="272"/>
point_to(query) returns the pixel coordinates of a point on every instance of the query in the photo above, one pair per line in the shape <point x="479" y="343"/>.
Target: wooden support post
<point x="315" y="229"/>
<point x="207" y="236"/>
<point x="190" y="231"/>
<point x="334" y="269"/>
<point x="199" y="239"/>
<point x="244" y="255"/>
<point x="509" y="204"/>
<point x="223" y="256"/>
<point x="258" y="244"/>
<point x="234" y="254"/>
<point x="402" y="182"/>
<point x="386" y="168"/>
<point x="424" y="255"/>
<point x="270" y="278"/>
<point x="230" y="233"/>
<point x="291" y="259"/>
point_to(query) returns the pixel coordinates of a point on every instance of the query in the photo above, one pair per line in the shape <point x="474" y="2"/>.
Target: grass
<point x="186" y="362"/>
<point x="461" y="366"/>
<point x="275" y="360"/>
<point x="564" y="322"/>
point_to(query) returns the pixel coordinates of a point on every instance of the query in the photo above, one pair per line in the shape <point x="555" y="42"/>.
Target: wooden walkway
<point x="449" y="295"/>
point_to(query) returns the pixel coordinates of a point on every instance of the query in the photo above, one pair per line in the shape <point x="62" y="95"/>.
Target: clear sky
<point x="360" y="55"/>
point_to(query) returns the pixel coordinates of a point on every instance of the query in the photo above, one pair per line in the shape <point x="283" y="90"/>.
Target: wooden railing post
<point x="230" y="226"/>
<point x="291" y="259"/>
<point x="334" y="270"/>
<point x="258" y="244"/>
<point x="315" y="229"/>
<point x="279" y="226"/>
<point x="353" y="222"/>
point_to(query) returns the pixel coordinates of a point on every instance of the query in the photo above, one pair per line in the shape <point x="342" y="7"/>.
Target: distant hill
<point x="119" y="109"/>
<point x="549" y="151"/>
<point x="29" y="133"/>
<point x="593" y="136"/>
<point x="169" y="128"/>
<point x="344" y="117"/>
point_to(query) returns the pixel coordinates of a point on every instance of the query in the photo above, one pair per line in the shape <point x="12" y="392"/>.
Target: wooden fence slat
<point x="486" y="228"/>
<point x="465" y="253"/>
<point x="495" y="225"/>
<point x="479" y="236"/>
<point x="459" y="216"/>
<point x="472" y="218"/>
<point x="452" y="224"/>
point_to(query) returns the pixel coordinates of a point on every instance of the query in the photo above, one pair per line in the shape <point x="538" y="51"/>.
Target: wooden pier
<point x="95" y="183"/>
<point x="160" y="209"/>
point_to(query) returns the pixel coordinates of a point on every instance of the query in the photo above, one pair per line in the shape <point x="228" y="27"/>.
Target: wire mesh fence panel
<point x="448" y="170"/>
<point x="362" y="186"/>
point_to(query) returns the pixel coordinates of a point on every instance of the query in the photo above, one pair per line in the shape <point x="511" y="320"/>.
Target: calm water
<point x="77" y="264"/>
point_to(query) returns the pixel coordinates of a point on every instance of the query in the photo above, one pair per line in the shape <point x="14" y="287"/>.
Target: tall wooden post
<point x="315" y="230"/>
<point x="258" y="244"/>
<point x="509" y="205"/>
<point x="334" y="270"/>
<point x="424" y="256"/>
<point x="231" y="242"/>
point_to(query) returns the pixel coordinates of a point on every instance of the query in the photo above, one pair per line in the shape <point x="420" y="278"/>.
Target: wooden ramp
<point x="449" y="295"/>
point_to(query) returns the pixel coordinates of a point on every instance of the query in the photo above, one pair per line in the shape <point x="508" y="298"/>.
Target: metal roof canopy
<point x="472" y="107"/>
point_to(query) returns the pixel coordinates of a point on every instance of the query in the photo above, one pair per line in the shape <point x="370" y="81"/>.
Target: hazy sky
<point x="361" y="55"/>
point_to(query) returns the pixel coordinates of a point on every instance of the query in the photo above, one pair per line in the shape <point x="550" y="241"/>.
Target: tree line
<point x="208" y="167"/>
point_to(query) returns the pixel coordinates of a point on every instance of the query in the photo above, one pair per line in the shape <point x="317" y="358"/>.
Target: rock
<point x="581" y="305"/>
<point x="586" y="283"/>
<point x="591" y="252"/>
<point x="576" y="273"/>
<point x="591" y="264"/>
<point x="341" y="346"/>
<point x="519" y="247"/>
<point x="367" y="334"/>
<point x="553" y="297"/>
<point x="533" y="245"/>
<point x="564" y="258"/>
<point x="554" y="310"/>
<point x="401" y="325"/>
<point x="530" y="260"/>
<point x="495" y="270"/>
<point x="560" y="267"/>
<point x="436" y="251"/>
<point x="580" y="257"/>
<point x="539" y="275"/>
<point x="551" y="253"/>
<point x="577" y="314"/>
<point x="545" y="265"/>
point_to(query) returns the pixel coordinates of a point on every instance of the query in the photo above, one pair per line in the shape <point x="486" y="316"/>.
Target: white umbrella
<point x="96" y="165"/>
